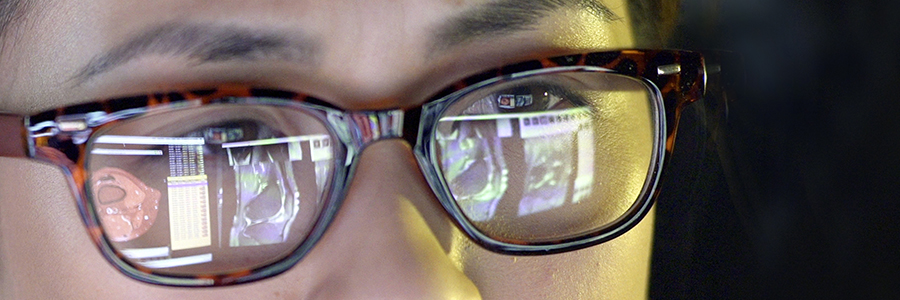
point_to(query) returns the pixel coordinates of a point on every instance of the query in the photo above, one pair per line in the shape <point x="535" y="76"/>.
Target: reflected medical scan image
<point x="267" y="194"/>
<point x="197" y="201"/>
<point x="127" y="206"/>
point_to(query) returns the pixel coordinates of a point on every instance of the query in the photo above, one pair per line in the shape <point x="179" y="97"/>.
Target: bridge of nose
<point x="367" y="127"/>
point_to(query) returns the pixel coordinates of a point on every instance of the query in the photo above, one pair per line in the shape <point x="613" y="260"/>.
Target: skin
<point x="390" y="240"/>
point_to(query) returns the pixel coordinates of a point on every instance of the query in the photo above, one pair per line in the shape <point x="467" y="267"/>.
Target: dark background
<point x="807" y="202"/>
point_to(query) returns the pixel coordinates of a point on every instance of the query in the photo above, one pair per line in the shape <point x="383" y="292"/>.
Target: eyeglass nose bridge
<point x="367" y="127"/>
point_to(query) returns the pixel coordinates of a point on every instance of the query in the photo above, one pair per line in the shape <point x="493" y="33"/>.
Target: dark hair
<point x="653" y="21"/>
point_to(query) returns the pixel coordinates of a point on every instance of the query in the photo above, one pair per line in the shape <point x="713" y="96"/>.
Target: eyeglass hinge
<point x="668" y="69"/>
<point x="77" y="126"/>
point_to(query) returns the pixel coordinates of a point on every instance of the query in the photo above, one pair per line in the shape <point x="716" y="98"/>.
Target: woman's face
<point x="391" y="239"/>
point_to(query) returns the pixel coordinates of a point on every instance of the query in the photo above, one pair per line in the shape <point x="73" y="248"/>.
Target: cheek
<point x="46" y="252"/>
<point x="618" y="269"/>
<point x="42" y="234"/>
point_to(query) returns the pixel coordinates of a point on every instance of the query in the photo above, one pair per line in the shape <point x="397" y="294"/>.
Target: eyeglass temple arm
<point x="725" y="79"/>
<point x="12" y="136"/>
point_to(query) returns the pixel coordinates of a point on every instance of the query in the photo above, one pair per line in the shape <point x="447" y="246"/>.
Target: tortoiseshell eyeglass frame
<point x="678" y="77"/>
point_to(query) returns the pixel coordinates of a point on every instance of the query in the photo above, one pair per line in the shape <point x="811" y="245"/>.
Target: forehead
<point x="382" y="47"/>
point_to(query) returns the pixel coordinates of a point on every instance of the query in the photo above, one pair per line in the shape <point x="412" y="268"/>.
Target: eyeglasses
<point x="235" y="184"/>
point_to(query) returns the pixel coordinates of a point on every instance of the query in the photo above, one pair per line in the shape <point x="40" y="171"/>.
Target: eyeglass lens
<point x="550" y="157"/>
<point x="211" y="189"/>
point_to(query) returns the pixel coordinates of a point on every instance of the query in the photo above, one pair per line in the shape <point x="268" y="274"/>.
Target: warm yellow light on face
<point x="583" y="29"/>
<point x="624" y="141"/>
<point x="617" y="269"/>
<point x="428" y="249"/>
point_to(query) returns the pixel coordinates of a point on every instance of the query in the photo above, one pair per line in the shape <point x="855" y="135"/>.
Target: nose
<point x="385" y="242"/>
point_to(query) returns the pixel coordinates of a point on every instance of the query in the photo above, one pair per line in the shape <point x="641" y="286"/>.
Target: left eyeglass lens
<point x="549" y="157"/>
<point x="210" y="190"/>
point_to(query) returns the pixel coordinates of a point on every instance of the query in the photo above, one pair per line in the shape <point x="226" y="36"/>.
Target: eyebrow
<point x="11" y="13"/>
<point x="216" y="43"/>
<point x="508" y="16"/>
<point x="205" y="43"/>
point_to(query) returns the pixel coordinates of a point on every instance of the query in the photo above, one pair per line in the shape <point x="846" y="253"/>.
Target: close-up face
<point x="391" y="237"/>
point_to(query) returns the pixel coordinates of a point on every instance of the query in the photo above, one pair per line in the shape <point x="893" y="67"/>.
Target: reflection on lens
<point x="210" y="190"/>
<point x="127" y="205"/>
<point x="268" y="192"/>
<point x="548" y="157"/>
<point x="473" y="170"/>
<point x="547" y="165"/>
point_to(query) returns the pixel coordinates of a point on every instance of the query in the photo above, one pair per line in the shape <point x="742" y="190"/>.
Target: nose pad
<point x="386" y="240"/>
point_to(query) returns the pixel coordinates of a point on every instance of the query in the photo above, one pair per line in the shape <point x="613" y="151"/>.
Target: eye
<point x="527" y="96"/>
<point x="217" y="134"/>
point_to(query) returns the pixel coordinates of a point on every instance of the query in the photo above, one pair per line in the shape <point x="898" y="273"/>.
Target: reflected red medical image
<point x="126" y="206"/>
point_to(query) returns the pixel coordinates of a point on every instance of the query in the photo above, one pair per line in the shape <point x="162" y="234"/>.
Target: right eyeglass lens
<point x="549" y="157"/>
<point x="210" y="190"/>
